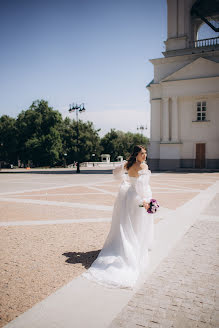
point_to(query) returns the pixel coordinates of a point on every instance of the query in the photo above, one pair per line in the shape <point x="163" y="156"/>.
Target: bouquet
<point x="153" y="206"/>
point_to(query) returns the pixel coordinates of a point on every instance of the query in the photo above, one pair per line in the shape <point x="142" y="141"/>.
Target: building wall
<point x="199" y="132"/>
<point x="186" y="75"/>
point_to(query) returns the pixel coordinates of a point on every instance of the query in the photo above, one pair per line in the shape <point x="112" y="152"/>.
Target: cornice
<point x="189" y="79"/>
<point x="182" y="58"/>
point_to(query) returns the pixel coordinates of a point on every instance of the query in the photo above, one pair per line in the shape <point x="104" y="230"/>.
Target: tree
<point x="88" y="141"/>
<point x="8" y="139"/>
<point x="118" y="143"/>
<point x="39" y="138"/>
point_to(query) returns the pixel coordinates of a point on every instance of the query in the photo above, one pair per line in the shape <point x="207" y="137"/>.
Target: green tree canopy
<point x="118" y="143"/>
<point x="39" y="134"/>
<point x="88" y="141"/>
<point x="8" y="139"/>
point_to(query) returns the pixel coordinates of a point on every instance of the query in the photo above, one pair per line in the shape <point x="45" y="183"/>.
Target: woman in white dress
<point x="124" y="255"/>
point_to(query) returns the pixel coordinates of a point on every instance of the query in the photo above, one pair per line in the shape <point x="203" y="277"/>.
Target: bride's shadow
<point x="86" y="259"/>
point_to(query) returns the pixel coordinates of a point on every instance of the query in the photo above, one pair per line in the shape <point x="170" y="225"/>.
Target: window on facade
<point x="201" y="110"/>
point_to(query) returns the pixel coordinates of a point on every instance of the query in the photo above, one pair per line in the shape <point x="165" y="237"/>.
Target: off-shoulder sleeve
<point x="119" y="171"/>
<point x="142" y="186"/>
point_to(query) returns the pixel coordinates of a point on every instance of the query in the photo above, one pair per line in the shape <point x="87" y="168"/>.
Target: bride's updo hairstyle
<point x="132" y="158"/>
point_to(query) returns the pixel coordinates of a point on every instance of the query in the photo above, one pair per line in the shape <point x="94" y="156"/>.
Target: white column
<point x="174" y="120"/>
<point x="155" y="119"/>
<point x="165" y="119"/>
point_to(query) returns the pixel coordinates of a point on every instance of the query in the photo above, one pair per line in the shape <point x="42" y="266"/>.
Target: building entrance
<point x="200" y="156"/>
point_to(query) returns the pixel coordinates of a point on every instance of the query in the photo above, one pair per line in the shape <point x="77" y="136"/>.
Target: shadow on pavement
<point x="86" y="259"/>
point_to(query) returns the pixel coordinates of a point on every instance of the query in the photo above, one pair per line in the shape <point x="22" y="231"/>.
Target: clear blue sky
<point x="91" y="51"/>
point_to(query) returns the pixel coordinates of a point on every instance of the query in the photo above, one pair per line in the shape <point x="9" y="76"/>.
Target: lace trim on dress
<point x="144" y="172"/>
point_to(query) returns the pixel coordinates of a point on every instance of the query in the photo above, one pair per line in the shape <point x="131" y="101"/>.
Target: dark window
<point x="201" y="110"/>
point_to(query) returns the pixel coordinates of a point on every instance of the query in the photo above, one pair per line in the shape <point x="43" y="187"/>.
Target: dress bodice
<point x="140" y="183"/>
<point x="142" y="174"/>
<point x="132" y="180"/>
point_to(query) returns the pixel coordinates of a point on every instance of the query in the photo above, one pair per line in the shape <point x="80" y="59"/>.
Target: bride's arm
<point x="143" y="188"/>
<point x="119" y="170"/>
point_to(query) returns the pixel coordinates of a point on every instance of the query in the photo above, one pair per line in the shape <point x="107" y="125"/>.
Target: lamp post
<point x="93" y="157"/>
<point x="65" y="159"/>
<point x="80" y="109"/>
<point x="142" y="128"/>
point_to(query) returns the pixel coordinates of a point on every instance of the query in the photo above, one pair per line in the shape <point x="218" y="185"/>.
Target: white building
<point x="184" y="93"/>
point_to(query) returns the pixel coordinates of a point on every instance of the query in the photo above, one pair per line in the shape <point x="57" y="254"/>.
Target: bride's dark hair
<point x="132" y="158"/>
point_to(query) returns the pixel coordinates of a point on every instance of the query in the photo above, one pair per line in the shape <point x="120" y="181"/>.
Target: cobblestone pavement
<point x="36" y="260"/>
<point x="183" y="291"/>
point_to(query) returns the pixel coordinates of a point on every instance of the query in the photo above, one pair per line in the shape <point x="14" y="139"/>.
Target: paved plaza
<point x="53" y="224"/>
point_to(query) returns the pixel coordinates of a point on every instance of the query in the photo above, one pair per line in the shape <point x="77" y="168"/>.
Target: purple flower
<point x="153" y="206"/>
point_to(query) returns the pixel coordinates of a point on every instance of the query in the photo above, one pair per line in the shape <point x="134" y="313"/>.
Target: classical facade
<point x="184" y="93"/>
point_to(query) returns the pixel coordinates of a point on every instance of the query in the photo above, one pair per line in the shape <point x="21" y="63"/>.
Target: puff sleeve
<point x="119" y="171"/>
<point x="142" y="187"/>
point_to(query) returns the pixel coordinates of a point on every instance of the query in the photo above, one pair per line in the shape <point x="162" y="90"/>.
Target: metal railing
<point x="205" y="42"/>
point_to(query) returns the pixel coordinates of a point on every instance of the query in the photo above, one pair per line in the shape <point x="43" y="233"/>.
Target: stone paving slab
<point x="66" y="191"/>
<point x="108" y="187"/>
<point x="10" y="211"/>
<point x="40" y="259"/>
<point x="173" y="200"/>
<point x="182" y="185"/>
<point x="165" y="199"/>
<point x="184" y="289"/>
<point x="101" y="199"/>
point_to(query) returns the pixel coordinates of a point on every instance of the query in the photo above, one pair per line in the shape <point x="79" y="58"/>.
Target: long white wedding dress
<point x="124" y="255"/>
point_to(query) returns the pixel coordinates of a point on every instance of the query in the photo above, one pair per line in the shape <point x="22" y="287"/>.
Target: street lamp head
<point x="71" y="108"/>
<point x="82" y="109"/>
<point x="77" y="107"/>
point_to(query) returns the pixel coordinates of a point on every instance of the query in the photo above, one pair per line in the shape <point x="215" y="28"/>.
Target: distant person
<point x="125" y="252"/>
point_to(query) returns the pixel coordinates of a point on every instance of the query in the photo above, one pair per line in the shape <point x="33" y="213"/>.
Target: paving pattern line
<point x="207" y="217"/>
<point x="183" y="188"/>
<point x="161" y="214"/>
<point x="201" y="198"/>
<point x="54" y="194"/>
<point x="41" y="222"/>
<point x="103" y="191"/>
<point x="85" y="184"/>
<point x="173" y="191"/>
<point x="25" y="182"/>
<point x="53" y="203"/>
<point x="171" y="179"/>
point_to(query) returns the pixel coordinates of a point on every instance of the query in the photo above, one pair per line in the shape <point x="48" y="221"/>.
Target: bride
<point x="124" y="255"/>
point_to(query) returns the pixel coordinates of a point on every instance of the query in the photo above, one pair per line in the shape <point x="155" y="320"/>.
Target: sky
<point x="94" y="52"/>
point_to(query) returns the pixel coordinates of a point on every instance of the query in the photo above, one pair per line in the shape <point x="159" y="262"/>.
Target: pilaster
<point x="174" y="120"/>
<point x="165" y="106"/>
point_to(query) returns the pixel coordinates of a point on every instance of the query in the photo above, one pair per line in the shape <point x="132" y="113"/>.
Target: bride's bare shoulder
<point x="144" y="166"/>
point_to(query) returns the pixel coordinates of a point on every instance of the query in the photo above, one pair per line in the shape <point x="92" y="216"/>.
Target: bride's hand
<point x="146" y="205"/>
